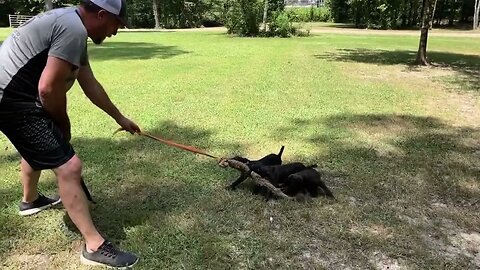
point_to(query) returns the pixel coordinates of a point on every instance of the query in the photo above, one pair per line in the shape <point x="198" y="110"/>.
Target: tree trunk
<point x="48" y="5"/>
<point x="476" y="15"/>
<point x="422" y="48"/>
<point x="433" y="14"/>
<point x="156" y="14"/>
<point x="265" y="11"/>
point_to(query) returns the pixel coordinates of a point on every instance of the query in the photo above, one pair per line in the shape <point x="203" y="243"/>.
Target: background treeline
<point x="383" y="14"/>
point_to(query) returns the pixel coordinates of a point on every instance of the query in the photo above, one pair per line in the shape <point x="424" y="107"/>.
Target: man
<point x="39" y="63"/>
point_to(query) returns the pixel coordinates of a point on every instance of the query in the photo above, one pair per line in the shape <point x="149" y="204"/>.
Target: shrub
<point x="244" y="17"/>
<point x="308" y="14"/>
<point x="282" y="26"/>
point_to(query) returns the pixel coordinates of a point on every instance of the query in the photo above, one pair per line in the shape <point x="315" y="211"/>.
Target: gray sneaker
<point x="41" y="203"/>
<point x="109" y="256"/>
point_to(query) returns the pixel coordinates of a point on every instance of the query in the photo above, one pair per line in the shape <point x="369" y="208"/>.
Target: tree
<point x="476" y="14"/>
<point x="48" y="5"/>
<point x="265" y="12"/>
<point x="156" y="13"/>
<point x="426" y="23"/>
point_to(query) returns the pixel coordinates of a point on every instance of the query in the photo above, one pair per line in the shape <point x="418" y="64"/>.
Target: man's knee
<point x="71" y="170"/>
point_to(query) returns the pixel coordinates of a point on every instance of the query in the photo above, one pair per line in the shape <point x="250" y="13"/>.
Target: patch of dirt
<point x="469" y="245"/>
<point x="445" y="237"/>
<point x="458" y="245"/>
<point x="383" y="262"/>
<point x="29" y="261"/>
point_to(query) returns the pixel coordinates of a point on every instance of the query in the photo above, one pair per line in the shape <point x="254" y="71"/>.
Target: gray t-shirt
<point x="24" y="53"/>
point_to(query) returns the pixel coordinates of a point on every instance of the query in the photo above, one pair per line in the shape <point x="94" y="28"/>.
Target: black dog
<point x="254" y="165"/>
<point x="85" y="189"/>
<point x="307" y="181"/>
<point x="278" y="174"/>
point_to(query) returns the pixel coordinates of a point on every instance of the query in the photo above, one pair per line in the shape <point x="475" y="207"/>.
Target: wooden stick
<point x="240" y="166"/>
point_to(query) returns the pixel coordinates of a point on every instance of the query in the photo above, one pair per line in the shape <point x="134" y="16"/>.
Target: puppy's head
<point x="293" y="184"/>
<point x="263" y="171"/>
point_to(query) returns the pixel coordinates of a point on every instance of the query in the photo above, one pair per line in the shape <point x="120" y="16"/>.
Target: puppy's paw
<point x="223" y="163"/>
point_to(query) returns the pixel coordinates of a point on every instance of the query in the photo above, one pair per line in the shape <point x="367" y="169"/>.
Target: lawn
<point x="397" y="144"/>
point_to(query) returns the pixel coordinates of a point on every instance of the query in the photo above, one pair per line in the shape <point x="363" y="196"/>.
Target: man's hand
<point x="128" y="125"/>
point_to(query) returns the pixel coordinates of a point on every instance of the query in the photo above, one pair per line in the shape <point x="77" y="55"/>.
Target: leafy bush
<point x="282" y="26"/>
<point x="308" y="14"/>
<point x="244" y="17"/>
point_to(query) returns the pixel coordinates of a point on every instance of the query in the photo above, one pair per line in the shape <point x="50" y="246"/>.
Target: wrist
<point x="118" y="118"/>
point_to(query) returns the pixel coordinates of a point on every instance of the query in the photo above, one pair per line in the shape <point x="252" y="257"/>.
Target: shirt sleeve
<point x="69" y="42"/>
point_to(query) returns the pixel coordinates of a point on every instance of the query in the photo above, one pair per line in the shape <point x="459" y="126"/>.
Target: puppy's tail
<point x="85" y="189"/>
<point x="326" y="190"/>
<point x="281" y="151"/>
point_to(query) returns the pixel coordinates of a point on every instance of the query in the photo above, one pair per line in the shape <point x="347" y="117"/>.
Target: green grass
<point x="398" y="145"/>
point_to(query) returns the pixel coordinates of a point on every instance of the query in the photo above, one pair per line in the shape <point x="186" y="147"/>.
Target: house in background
<point x="304" y="3"/>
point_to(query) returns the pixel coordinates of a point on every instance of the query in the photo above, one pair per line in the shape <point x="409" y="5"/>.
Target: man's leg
<point x="97" y="251"/>
<point x="29" y="178"/>
<point x="36" y="138"/>
<point x="75" y="201"/>
<point x="32" y="201"/>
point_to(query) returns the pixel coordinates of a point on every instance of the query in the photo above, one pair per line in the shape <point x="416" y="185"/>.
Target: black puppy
<point x="254" y="165"/>
<point x="307" y="181"/>
<point x="278" y="174"/>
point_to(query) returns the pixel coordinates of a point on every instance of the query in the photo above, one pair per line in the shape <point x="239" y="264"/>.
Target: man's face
<point x="106" y="25"/>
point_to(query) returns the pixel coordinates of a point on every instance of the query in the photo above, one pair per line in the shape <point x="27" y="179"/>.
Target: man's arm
<point x="52" y="92"/>
<point x="96" y="93"/>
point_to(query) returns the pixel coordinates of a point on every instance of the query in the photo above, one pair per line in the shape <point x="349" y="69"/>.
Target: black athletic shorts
<point x="36" y="137"/>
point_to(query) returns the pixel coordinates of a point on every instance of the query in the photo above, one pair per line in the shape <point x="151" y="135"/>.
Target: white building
<point x="304" y="3"/>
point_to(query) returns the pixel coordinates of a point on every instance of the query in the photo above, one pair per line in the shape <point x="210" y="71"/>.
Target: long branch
<point x="257" y="178"/>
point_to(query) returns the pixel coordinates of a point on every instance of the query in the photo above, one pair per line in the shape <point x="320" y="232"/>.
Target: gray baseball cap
<point x="116" y="7"/>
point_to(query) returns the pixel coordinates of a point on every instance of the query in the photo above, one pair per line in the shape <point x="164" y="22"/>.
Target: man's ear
<point x="101" y="14"/>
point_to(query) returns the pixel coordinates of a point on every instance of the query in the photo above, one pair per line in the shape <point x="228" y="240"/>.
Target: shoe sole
<point x="88" y="262"/>
<point x="38" y="209"/>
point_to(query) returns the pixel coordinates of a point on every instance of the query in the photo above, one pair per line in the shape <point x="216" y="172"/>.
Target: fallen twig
<point x="242" y="167"/>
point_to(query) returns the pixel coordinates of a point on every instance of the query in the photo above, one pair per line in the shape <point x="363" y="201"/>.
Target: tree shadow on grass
<point x="398" y="148"/>
<point x="170" y="207"/>
<point x="139" y="184"/>
<point x="466" y="66"/>
<point x="132" y="50"/>
<point x="136" y="177"/>
<point x="416" y="176"/>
